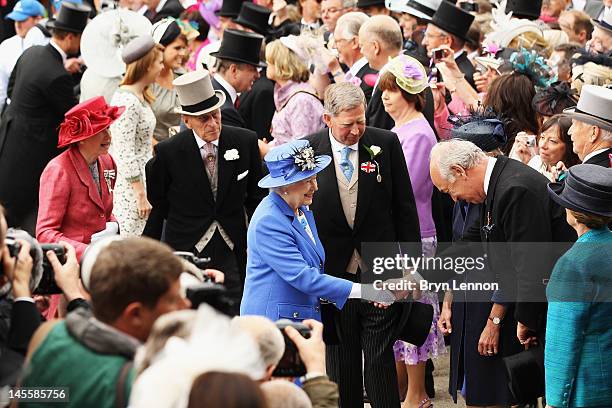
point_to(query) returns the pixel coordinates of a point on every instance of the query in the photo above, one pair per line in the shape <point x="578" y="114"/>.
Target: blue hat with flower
<point x="292" y="162"/>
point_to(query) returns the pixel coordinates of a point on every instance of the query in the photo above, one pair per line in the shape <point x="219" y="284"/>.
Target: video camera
<point x="209" y="292"/>
<point x="290" y="364"/>
<point x="47" y="284"/>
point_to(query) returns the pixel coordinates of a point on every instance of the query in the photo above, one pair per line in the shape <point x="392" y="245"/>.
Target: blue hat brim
<point x="555" y="190"/>
<point x="17" y="16"/>
<point x="272" y="182"/>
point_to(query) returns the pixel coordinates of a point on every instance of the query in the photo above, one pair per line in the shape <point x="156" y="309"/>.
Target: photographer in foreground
<point x="132" y="282"/>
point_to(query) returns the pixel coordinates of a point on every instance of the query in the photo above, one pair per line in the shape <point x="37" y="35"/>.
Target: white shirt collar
<point x="487" y="178"/>
<point x="201" y="142"/>
<point x="229" y="88"/>
<point x="337" y="146"/>
<point x="458" y="53"/>
<point x="361" y="62"/>
<point x="161" y="5"/>
<point x="59" y="49"/>
<point x="594" y="153"/>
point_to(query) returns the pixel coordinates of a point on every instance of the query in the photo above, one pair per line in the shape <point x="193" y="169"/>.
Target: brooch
<point x="108" y="176"/>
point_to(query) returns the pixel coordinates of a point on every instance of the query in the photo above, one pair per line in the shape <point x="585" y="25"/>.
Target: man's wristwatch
<point x="496" y="320"/>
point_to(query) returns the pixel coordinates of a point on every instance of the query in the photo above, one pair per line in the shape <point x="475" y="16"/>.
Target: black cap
<point x="254" y="17"/>
<point x="529" y="9"/>
<point x="453" y="20"/>
<point x="71" y="17"/>
<point x="230" y="8"/>
<point x="240" y="46"/>
<point x="587" y="188"/>
<point x="370" y="3"/>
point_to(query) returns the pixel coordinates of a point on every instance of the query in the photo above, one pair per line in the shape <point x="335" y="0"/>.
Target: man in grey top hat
<point x="591" y="129"/>
<point x="41" y="91"/>
<point x="203" y="182"/>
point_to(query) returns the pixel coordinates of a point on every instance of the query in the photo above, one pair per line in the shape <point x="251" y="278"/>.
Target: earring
<point x="285" y="193"/>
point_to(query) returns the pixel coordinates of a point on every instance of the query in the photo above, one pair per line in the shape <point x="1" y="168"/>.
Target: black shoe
<point x="429" y="381"/>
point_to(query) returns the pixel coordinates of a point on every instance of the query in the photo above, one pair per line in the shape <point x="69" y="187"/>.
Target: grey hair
<point x="349" y="3"/>
<point x="455" y="152"/>
<point x="606" y="135"/>
<point x="350" y="23"/>
<point x="267" y="336"/>
<point x="386" y="30"/>
<point x="343" y="96"/>
<point x="284" y="394"/>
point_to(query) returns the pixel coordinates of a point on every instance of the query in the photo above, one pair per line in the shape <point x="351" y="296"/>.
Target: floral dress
<point x="131" y="147"/>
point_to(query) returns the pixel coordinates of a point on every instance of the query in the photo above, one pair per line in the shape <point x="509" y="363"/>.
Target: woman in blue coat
<point x="284" y="275"/>
<point x="579" y="329"/>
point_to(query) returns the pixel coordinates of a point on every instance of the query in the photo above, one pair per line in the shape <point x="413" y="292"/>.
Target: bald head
<point x="380" y="38"/>
<point x="266" y="334"/>
<point x="283" y="394"/>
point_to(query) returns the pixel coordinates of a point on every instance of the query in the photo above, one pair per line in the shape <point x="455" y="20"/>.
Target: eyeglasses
<point x="430" y="35"/>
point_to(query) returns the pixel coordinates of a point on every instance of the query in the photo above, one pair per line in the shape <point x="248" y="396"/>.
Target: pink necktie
<point x="209" y="158"/>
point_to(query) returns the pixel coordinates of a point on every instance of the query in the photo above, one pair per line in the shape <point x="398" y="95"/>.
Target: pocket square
<point x="242" y="175"/>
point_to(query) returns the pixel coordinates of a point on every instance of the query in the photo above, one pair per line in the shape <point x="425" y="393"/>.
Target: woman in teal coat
<point x="579" y="330"/>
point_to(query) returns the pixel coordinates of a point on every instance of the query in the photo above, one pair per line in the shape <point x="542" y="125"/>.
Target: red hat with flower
<point x="87" y="119"/>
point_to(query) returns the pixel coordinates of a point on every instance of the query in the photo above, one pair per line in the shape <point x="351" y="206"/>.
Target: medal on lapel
<point x="373" y="151"/>
<point x="109" y="175"/>
<point x="487" y="229"/>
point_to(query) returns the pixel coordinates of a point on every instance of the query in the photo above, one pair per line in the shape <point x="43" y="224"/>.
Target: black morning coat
<point x="41" y="92"/>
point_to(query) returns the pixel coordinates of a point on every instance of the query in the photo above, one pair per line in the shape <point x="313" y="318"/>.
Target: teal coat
<point x="578" y="354"/>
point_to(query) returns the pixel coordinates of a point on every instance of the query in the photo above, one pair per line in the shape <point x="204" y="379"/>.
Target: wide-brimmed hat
<point x="453" y="20"/>
<point x="594" y="107"/>
<point x="424" y="9"/>
<point x="25" y="9"/>
<point x="606" y="21"/>
<point x="254" y="17"/>
<point x="230" y="8"/>
<point x="409" y="74"/>
<point x="196" y="94"/>
<point x="292" y="162"/>
<point x="587" y="188"/>
<point x="71" y="17"/>
<point x="529" y="9"/>
<point x="240" y="46"/>
<point x="106" y="36"/>
<point x="87" y="119"/>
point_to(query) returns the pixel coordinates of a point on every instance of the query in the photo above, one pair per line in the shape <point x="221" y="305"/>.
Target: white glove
<point x="112" y="228"/>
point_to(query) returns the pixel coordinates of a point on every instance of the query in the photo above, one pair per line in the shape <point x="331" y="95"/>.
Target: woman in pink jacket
<point x="76" y="188"/>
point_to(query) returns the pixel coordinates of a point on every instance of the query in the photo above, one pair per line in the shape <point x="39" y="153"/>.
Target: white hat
<point x="594" y="107"/>
<point x="196" y="94"/>
<point x="424" y="9"/>
<point x="106" y="35"/>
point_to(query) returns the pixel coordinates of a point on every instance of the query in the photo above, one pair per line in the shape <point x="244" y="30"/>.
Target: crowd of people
<point x="212" y="180"/>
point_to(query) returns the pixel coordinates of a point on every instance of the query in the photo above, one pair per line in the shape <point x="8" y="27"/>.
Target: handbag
<point x="525" y="371"/>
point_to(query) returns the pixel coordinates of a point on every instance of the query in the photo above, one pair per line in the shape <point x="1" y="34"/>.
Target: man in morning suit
<point x="351" y="207"/>
<point x="236" y="70"/>
<point x="516" y="209"/>
<point x="40" y="92"/>
<point x="203" y="182"/>
<point x="449" y="26"/>
<point x="380" y="38"/>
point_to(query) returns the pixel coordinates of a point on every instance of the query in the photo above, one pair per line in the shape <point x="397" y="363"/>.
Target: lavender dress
<point x="417" y="139"/>
<point x="299" y="112"/>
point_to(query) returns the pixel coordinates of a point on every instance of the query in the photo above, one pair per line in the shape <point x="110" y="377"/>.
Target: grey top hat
<point x="594" y="107"/>
<point x="587" y="188"/>
<point x="606" y="21"/>
<point x="196" y="94"/>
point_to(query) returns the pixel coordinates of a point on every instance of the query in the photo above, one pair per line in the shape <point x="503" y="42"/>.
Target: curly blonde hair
<point x="288" y="66"/>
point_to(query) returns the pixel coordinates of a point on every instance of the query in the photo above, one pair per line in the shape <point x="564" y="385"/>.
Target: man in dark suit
<point x="516" y="209"/>
<point x="41" y="91"/>
<point x="203" y="182"/>
<point x="591" y="129"/>
<point x="361" y="199"/>
<point x="449" y="26"/>
<point x="236" y="70"/>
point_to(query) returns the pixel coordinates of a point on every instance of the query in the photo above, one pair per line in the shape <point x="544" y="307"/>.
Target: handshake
<point x="385" y="293"/>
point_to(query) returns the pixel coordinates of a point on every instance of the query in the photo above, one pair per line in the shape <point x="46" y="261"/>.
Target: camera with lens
<point x="290" y="364"/>
<point x="201" y="263"/>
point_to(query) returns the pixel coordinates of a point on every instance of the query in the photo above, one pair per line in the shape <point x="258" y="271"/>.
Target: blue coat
<point x="579" y="332"/>
<point x="284" y="275"/>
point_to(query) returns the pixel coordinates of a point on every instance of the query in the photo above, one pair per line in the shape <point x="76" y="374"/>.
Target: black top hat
<point x="587" y="188"/>
<point x="453" y="20"/>
<point x="71" y="17"/>
<point x="230" y="8"/>
<point x="240" y="46"/>
<point x="529" y="9"/>
<point x="254" y="17"/>
<point x="370" y="3"/>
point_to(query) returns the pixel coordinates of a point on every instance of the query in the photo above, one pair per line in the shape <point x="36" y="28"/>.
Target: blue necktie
<point x="345" y="163"/>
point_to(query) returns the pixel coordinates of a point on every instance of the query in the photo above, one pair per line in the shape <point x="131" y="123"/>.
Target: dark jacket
<point x="229" y="113"/>
<point x="367" y="89"/>
<point x="41" y="91"/>
<point x="601" y="159"/>
<point x="467" y="68"/>
<point x="257" y="107"/>
<point x="172" y="8"/>
<point x="179" y="190"/>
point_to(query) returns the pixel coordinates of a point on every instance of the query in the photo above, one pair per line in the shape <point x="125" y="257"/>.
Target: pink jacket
<point x="70" y="207"/>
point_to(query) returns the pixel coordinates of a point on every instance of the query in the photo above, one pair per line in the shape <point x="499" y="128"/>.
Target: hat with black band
<point x="594" y="107"/>
<point x="196" y="94"/>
